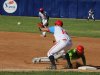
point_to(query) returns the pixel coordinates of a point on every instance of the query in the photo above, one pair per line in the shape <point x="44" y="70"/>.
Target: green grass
<point x="49" y="73"/>
<point x="9" y="23"/>
<point x="75" y="27"/>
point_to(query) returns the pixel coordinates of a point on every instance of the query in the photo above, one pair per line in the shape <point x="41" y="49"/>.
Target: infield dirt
<point x="17" y="50"/>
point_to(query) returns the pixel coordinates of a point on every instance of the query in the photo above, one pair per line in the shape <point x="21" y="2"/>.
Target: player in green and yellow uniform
<point x="74" y="54"/>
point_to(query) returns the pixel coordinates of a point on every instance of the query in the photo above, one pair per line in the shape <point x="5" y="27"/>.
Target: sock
<point x="52" y="60"/>
<point x="44" y="33"/>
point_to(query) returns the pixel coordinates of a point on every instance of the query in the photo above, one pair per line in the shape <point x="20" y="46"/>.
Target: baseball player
<point x="91" y="14"/>
<point x="77" y="53"/>
<point x="44" y="19"/>
<point x="63" y="41"/>
<point x="73" y="54"/>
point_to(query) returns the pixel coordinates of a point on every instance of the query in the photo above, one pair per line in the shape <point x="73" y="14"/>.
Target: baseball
<point x="18" y="23"/>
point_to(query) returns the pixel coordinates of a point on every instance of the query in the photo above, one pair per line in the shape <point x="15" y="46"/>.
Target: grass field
<point x="49" y="73"/>
<point x="75" y="27"/>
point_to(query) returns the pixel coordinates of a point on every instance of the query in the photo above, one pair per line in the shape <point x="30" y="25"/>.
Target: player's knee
<point x="51" y="58"/>
<point x="49" y="53"/>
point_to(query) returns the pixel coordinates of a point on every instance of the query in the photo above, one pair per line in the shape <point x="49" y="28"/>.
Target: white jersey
<point x="59" y="33"/>
<point x="63" y="40"/>
<point x="91" y="12"/>
<point x="42" y="15"/>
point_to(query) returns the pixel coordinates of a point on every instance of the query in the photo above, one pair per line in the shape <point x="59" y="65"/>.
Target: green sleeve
<point x="73" y="56"/>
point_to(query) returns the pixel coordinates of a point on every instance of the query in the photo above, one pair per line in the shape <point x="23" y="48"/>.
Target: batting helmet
<point x="59" y="23"/>
<point x="80" y="49"/>
<point x="41" y="9"/>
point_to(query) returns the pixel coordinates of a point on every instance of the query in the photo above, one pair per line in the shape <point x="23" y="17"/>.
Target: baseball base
<point x="87" y="68"/>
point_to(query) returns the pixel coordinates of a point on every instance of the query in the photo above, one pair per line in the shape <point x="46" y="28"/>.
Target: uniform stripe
<point x="53" y="47"/>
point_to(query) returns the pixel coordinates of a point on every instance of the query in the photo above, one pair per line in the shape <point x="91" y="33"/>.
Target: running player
<point x="91" y="14"/>
<point x="44" y="19"/>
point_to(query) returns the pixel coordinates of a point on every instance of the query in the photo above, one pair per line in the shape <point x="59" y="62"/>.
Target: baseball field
<point x="20" y="41"/>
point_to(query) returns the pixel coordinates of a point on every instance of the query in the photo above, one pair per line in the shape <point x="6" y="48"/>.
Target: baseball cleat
<point x="43" y="35"/>
<point x="52" y="67"/>
<point x="68" y="67"/>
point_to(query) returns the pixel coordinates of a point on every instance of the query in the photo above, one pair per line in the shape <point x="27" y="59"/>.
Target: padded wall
<point x="55" y="8"/>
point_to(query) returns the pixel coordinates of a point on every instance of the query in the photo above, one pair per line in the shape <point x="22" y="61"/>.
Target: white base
<point x="87" y="68"/>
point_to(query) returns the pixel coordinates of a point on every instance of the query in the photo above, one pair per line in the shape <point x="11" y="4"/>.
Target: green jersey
<point x="73" y="54"/>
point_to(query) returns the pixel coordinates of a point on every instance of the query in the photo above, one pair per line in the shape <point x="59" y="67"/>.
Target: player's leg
<point x="60" y="54"/>
<point x="93" y="17"/>
<point x="51" y="54"/>
<point x="68" y="47"/>
<point x="56" y="49"/>
<point x="56" y="57"/>
<point x="44" y="21"/>
<point x="44" y="59"/>
<point x="89" y="16"/>
<point x="40" y="59"/>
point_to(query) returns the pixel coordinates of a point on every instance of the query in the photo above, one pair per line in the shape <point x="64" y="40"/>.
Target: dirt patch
<point x="18" y="49"/>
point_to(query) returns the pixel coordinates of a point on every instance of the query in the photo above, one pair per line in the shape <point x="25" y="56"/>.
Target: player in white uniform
<point x="91" y="14"/>
<point x="63" y="42"/>
<point x="44" y="19"/>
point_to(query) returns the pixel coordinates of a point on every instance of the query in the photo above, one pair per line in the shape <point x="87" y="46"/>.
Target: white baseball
<point x="18" y="23"/>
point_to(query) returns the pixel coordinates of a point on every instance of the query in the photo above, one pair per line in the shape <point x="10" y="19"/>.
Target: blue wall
<point x="55" y="8"/>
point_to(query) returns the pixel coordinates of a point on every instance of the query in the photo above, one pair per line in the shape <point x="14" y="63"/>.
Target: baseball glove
<point x="40" y="25"/>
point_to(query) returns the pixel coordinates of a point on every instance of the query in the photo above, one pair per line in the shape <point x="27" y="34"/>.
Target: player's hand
<point x="54" y="42"/>
<point x="40" y="25"/>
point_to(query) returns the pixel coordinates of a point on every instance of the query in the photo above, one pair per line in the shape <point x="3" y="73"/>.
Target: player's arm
<point x="83" y="59"/>
<point x="50" y="29"/>
<point x="45" y="29"/>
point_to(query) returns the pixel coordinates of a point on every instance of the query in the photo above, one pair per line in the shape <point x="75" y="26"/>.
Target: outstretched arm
<point x="42" y="28"/>
<point x="45" y="29"/>
<point x="50" y="29"/>
<point x="84" y="59"/>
